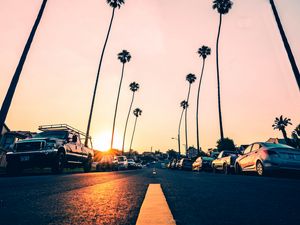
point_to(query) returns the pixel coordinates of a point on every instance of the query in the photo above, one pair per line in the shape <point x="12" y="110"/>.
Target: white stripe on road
<point x="155" y="209"/>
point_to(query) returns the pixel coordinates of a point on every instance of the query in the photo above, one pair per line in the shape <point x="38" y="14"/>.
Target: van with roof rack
<point x="57" y="146"/>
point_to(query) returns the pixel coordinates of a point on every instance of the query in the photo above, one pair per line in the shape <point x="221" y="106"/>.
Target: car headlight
<point x="50" y="145"/>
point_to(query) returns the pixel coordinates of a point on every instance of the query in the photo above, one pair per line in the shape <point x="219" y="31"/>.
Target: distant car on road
<point x="263" y="157"/>
<point x="120" y="163"/>
<point x="131" y="164"/>
<point x="225" y="162"/>
<point x="185" y="164"/>
<point x="57" y="146"/>
<point x="202" y="163"/>
<point x="105" y="164"/>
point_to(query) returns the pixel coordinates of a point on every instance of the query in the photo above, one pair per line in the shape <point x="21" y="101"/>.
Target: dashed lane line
<point x="155" y="209"/>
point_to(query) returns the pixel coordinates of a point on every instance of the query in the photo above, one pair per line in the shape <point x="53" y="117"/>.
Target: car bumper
<point x="271" y="166"/>
<point x="32" y="159"/>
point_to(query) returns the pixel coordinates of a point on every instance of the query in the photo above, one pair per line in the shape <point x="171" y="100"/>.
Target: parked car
<point x="225" y="162"/>
<point x="185" y="164"/>
<point x="202" y="163"/>
<point x="57" y="146"/>
<point x="173" y="164"/>
<point x="263" y="157"/>
<point x="131" y="164"/>
<point x="105" y="164"/>
<point x="120" y="163"/>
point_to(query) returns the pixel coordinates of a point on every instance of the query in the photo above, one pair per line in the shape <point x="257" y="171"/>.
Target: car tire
<point x="59" y="163"/>
<point x="225" y="169"/>
<point x="214" y="169"/>
<point x="87" y="166"/>
<point x="13" y="169"/>
<point x="260" y="169"/>
<point x="238" y="169"/>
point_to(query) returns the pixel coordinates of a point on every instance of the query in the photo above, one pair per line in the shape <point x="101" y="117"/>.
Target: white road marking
<point x="155" y="209"/>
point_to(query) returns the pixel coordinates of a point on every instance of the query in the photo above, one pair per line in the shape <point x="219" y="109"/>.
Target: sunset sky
<point x="56" y="85"/>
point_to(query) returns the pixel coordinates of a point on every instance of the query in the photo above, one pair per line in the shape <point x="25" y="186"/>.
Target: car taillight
<point x="268" y="153"/>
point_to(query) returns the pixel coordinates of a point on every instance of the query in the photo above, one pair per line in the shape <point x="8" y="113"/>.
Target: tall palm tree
<point x="114" y="4"/>
<point x="191" y="79"/>
<point x="203" y="52"/>
<point x="184" y="104"/>
<point x="133" y="87"/>
<point x="286" y="43"/>
<point x="124" y="57"/>
<point x="14" y="82"/>
<point x="223" y="7"/>
<point x="280" y="124"/>
<point x="137" y="112"/>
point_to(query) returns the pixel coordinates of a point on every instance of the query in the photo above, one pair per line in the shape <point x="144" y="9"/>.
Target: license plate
<point x="24" y="158"/>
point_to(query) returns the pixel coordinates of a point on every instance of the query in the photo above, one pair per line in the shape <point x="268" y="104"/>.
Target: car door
<point x="243" y="161"/>
<point x="252" y="156"/>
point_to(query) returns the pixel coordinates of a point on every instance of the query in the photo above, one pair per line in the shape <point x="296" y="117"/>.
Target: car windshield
<point x="121" y="159"/>
<point x="130" y="160"/>
<point x="52" y="134"/>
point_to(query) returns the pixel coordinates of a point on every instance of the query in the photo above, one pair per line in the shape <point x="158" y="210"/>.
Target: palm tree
<point x="137" y="112"/>
<point x="280" y="124"/>
<point x="223" y="7"/>
<point x="14" y="82"/>
<point x="184" y="104"/>
<point x="133" y="87"/>
<point x="124" y="57"/>
<point x="203" y="52"/>
<point x="191" y="79"/>
<point x="114" y="4"/>
<point x="286" y="43"/>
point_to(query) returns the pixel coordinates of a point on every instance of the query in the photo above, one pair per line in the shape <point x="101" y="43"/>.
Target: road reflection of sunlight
<point x="107" y="203"/>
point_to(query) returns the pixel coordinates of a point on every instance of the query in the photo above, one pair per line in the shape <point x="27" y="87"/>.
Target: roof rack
<point x="61" y="127"/>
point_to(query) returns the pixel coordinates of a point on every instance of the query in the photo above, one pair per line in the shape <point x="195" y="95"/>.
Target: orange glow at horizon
<point x="102" y="140"/>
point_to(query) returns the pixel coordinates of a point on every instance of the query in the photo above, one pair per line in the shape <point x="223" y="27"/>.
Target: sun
<point x="102" y="141"/>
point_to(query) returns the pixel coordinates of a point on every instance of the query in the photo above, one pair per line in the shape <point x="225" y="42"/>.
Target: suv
<point x="57" y="146"/>
<point x="120" y="162"/>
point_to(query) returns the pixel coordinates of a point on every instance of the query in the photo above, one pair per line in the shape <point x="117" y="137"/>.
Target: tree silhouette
<point x="114" y="4"/>
<point x="124" y="57"/>
<point x="137" y="112"/>
<point x="133" y="87"/>
<point x="14" y="82"/>
<point x="280" y="124"/>
<point x="184" y="104"/>
<point x="191" y="79"/>
<point x="203" y="52"/>
<point x="223" y="7"/>
<point x="286" y="44"/>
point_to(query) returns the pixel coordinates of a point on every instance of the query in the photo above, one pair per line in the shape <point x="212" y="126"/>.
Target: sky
<point x="56" y="85"/>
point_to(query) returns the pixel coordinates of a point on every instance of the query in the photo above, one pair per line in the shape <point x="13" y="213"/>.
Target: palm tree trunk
<point x="133" y="132"/>
<point x="286" y="44"/>
<point x="186" y="126"/>
<point x="14" y="82"/>
<point x="218" y="79"/>
<point x="97" y="79"/>
<point x="179" y="132"/>
<point x="287" y="140"/>
<point x="116" y="108"/>
<point x="197" y="110"/>
<point x="124" y="136"/>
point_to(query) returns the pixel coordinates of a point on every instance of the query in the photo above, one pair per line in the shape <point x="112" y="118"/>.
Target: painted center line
<point x="155" y="209"/>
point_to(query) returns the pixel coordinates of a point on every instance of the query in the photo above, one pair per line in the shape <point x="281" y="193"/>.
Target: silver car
<point x="263" y="157"/>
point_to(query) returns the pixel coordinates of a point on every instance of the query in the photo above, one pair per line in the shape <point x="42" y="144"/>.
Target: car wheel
<point x="238" y="169"/>
<point x="87" y="167"/>
<point x="260" y="168"/>
<point x="59" y="163"/>
<point x="214" y="169"/>
<point x="13" y="169"/>
<point x="225" y="169"/>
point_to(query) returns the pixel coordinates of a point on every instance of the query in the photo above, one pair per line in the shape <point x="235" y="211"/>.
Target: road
<point x="116" y="198"/>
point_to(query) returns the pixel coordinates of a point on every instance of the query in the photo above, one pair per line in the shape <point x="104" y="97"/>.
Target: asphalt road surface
<point x="116" y="198"/>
